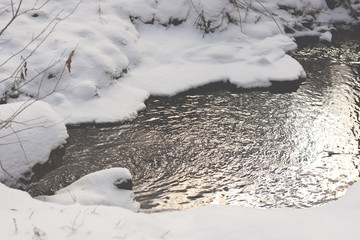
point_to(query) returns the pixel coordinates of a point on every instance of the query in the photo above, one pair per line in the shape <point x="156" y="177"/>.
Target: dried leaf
<point x="22" y="77"/>
<point x="69" y="60"/>
<point x="25" y="68"/>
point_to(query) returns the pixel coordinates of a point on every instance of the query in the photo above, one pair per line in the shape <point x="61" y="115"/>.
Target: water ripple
<point x="252" y="148"/>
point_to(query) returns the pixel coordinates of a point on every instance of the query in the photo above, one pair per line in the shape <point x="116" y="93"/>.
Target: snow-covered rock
<point x="98" y="188"/>
<point x="29" y="131"/>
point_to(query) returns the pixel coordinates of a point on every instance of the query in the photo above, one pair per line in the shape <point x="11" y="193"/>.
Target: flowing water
<point x="249" y="148"/>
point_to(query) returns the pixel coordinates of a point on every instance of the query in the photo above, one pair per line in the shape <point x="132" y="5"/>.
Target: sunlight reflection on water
<point x="255" y="148"/>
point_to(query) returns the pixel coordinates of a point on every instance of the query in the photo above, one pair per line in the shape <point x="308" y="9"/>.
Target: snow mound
<point x="29" y="131"/>
<point x="98" y="188"/>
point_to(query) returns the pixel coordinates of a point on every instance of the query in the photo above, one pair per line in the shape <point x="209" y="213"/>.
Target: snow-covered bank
<point x="196" y="61"/>
<point x="29" y="131"/>
<point x="118" y="60"/>
<point x="23" y="218"/>
<point x="116" y="65"/>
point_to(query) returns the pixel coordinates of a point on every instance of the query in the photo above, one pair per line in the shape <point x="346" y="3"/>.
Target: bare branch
<point x="34" y="39"/>
<point x="11" y="176"/>
<point x="21" y="145"/>
<point x="15" y="14"/>
<point x="20" y="76"/>
<point x="271" y="15"/>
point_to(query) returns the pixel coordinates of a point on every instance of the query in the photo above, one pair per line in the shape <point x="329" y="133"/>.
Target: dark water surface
<point x="253" y="148"/>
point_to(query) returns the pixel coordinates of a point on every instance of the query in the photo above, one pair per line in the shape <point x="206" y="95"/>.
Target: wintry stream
<point x="249" y="148"/>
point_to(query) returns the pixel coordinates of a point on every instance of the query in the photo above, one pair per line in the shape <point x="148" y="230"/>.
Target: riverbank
<point x="110" y="82"/>
<point x="201" y="146"/>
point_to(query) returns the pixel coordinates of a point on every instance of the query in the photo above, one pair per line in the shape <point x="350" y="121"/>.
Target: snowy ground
<point x="24" y="218"/>
<point x="117" y="63"/>
<point x="101" y="62"/>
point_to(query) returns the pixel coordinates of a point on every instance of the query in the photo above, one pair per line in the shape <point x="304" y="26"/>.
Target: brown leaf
<point x="69" y="60"/>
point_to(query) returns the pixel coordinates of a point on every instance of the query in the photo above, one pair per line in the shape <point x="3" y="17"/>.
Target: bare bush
<point x="242" y="7"/>
<point x="19" y="77"/>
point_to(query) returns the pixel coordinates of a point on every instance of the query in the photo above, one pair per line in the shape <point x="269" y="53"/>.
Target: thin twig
<point x="270" y="14"/>
<point x="14" y="16"/>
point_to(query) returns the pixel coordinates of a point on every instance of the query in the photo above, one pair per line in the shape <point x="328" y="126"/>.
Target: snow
<point x="326" y="37"/>
<point x="91" y="91"/>
<point x="33" y="132"/>
<point x="23" y="218"/>
<point x="97" y="189"/>
<point x="118" y="61"/>
<point x="197" y="60"/>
